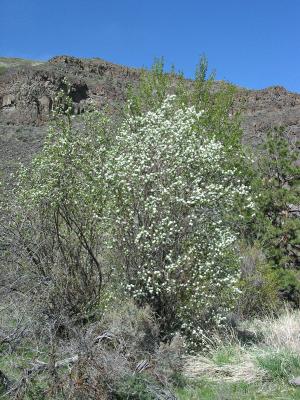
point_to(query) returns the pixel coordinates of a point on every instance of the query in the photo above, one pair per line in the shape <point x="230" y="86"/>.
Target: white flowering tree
<point x="153" y="203"/>
<point x="174" y="196"/>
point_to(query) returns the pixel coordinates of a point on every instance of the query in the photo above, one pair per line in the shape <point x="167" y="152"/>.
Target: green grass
<point x="226" y="355"/>
<point x="280" y="365"/>
<point x="205" y="390"/>
<point x="261" y="371"/>
<point x="13" y="363"/>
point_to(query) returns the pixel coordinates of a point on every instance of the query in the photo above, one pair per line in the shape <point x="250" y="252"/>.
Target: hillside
<point x="27" y="90"/>
<point x="10" y="62"/>
<point x="146" y="253"/>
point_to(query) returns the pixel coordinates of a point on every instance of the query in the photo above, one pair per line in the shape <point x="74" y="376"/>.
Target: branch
<point x="19" y="388"/>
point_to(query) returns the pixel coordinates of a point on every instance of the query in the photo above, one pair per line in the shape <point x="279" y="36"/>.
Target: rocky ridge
<point x="27" y="91"/>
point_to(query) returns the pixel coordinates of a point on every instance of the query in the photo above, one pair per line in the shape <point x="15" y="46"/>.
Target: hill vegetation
<point x="10" y="62"/>
<point x="140" y="249"/>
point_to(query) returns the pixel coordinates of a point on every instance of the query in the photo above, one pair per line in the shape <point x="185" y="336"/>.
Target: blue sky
<point x="253" y="43"/>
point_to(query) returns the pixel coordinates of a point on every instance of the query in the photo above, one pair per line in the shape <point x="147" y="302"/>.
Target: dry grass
<point x="280" y="333"/>
<point x="233" y="362"/>
<point x="202" y="367"/>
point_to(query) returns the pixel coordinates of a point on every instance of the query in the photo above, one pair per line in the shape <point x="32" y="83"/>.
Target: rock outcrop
<point x="27" y="93"/>
<point x="263" y="109"/>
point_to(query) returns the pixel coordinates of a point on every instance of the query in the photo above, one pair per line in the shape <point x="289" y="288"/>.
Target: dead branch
<point x="18" y="389"/>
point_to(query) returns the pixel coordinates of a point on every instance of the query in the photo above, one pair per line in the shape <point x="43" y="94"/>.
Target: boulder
<point x="45" y="105"/>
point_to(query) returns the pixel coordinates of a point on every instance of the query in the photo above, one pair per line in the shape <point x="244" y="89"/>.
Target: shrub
<point x="289" y="286"/>
<point x="123" y="358"/>
<point x="175" y="194"/>
<point x="2" y="69"/>
<point x="259" y="285"/>
<point x="57" y="225"/>
<point x="156" y="203"/>
<point x="279" y="223"/>
<point x="136" y="387"/>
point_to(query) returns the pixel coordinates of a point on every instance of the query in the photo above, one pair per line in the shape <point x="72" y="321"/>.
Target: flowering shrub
<point x="61" y="204"/>
<point x="154" y="202"/>
<point x="174" y="194"/>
